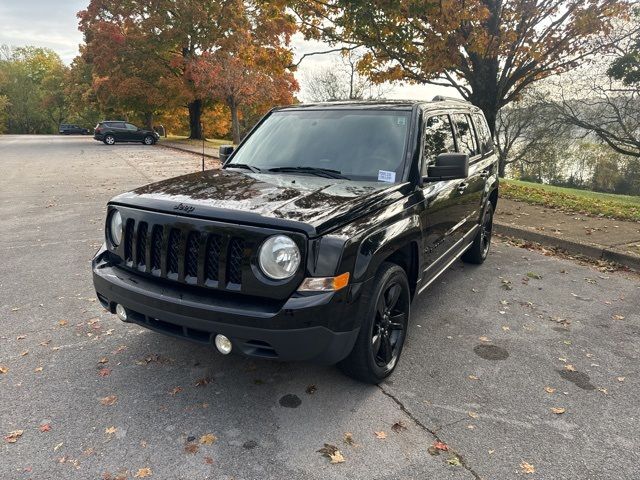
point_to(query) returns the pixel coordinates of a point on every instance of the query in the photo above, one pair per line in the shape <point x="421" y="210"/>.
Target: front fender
<point x="379" y="245"/>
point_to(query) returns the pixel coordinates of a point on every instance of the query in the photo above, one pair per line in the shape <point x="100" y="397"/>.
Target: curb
<point x="181" y="149"/>
<point x="576" y="248"/>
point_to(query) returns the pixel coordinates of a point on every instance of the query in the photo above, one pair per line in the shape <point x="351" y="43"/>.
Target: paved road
<point x="484" y="344"/>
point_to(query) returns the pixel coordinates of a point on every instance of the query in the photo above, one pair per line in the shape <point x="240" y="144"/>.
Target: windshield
<point x="360" y="144"/>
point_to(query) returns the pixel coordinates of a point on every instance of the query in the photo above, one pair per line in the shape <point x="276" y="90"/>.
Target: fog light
<point x="121" y="312"/>
<point x="223" y="344"/>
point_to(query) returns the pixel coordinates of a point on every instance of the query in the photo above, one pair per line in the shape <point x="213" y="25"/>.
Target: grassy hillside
<point x="622" y="207"/>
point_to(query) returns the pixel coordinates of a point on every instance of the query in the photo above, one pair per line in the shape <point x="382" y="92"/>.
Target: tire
<point x="383" y="331"/>
<point x="109" y="140"/>
<point x="149" y="140"/>
<point x="479" y="249"/>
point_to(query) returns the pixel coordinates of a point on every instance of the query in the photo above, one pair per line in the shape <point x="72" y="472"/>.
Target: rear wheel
<point x="479" y="249"/>
<point x="109" y="139"/>
<point x="149" y="140"/>
<point x="382" y="332"/>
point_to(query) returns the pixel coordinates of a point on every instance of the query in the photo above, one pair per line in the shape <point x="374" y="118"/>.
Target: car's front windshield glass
<point x="365" y="145"/>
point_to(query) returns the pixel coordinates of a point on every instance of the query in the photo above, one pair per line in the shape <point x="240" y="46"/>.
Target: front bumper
<point x="298" y="330"/>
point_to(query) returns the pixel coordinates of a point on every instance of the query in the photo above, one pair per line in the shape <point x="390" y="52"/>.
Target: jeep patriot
<point x="312" y="240"/>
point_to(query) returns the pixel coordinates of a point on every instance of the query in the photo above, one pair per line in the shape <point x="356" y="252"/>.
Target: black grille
<point x="141" y="247"/>
<point x="192" y="256"/>
<point x="214" y="246"/>
<point x="128" y="241"/>
<point x="236" y="247"/>
<point x="173" y="250"/>
<point x="193" y="249"/>
<point x="156" y="247"/>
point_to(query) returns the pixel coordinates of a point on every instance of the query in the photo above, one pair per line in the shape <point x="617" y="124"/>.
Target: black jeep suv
<point x="315" y="236"/>
<point x="111" y="131"/>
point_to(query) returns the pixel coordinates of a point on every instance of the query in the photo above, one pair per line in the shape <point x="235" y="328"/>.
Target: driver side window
<point x="438" y="138"/>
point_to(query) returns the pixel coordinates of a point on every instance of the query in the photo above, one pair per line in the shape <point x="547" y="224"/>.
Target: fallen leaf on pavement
<point x="558" y="410"/>
<point x="438" y="447"/>
<point x="208" y="460"/>
<point x="26" y="352"/>
<point x="3" y="369"/>
<point x="311" y="389"/>
<point x="191" y="448"/>
<point x="620" y="379"/>
<point x="380" y="435"/>
<point x="618" y="317"/>
<point x="570" y="368"/>
<point x="37" y="369"/>
<point x="473" y="414"/>
<point x="21" y="337"/>
<point x="348" y="438"/>
<point x="110" y="400"/>
<point x="602" y="390"/>
<point x="143" y="472"/>
<point x="208" y="439"/>
<point x="473" y="377"/>
<point x="103" y="360"/>
<point x="398" y="426"/>
<point x="549" y="389"/>
<point x="110" y="430"/>
<point x="527" y="468"/>
<point x="203" y="382"/>
<point x="62" y="323"/>
<point x="12" y="437"/>
<point x="454" y="460"/>
<point x="332" y="453"/>
<point x="55" y="449"/>
<point x="45" y="427"/>
<point x="175" y="390"/>
<point x="484" y="339"/>
<point x="104" y="372"/>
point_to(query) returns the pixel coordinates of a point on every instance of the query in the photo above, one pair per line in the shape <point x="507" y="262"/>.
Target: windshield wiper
<point x="321" y="172"/>
<point x="245" y="166"/>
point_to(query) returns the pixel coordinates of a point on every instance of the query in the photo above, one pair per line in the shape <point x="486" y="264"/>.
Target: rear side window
<point x="465" y="134"/>
<point x="438" y="138"/>
<point x="131" y="127"/>
<point x="484" y="134"/>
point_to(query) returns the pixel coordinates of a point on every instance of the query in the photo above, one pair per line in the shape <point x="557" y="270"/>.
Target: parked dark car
<point x="112" y="131"/>
<point x="315" y="236"/>
<point x="70" y="129"/>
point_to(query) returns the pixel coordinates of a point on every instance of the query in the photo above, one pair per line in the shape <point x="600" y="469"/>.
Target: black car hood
<point x="306" y="203"/>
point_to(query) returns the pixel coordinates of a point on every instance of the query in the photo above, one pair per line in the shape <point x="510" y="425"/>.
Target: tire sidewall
<point x="393" y="273"/>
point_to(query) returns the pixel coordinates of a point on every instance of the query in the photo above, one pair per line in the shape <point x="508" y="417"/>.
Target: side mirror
<point x="449" y="166"/>
<point x="225" y="152"/>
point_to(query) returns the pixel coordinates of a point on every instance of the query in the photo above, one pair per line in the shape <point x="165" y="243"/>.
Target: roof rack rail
<point x="442" y="98"/>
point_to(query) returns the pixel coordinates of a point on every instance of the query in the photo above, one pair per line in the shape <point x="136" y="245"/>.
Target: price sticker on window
<point x="385" y="176"/>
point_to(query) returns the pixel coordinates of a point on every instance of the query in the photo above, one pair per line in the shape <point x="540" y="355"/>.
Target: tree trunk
<point x="195" y="114"/>
<point x="235" y="121"/>
<point x="148" y="120"/>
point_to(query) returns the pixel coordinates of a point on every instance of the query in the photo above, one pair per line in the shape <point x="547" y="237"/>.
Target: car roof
<point x="438" y="102"/>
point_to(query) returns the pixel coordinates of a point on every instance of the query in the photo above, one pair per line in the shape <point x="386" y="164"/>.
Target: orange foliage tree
<point x="489" y="50"/>
<point x="158" y="42"/>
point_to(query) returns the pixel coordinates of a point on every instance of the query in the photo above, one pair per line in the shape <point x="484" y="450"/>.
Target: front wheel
<point x="110" y="140"/>
<point x="382" y="332"/>
<point x="149" y="140"/>
<point x="479" y="249"/>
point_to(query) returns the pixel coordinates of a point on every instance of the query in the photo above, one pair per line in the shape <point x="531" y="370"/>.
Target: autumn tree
<point x="246" y="73"/>
<point x="489" y="50"/>
<point x="168" y="37"/>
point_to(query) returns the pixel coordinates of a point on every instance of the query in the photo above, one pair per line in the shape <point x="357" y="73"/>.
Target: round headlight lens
<point x="115" y="228"/>
<point x="279" y="257"/>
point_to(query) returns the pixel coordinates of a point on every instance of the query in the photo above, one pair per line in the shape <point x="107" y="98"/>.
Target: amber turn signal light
<point x="324" y="284"/>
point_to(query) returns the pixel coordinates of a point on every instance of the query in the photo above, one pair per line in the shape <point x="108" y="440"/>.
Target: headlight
<point x="115" y="228"/>
<point x="279" y="257"/>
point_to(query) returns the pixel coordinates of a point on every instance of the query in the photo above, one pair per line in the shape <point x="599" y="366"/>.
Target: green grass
<point x="622" y="207"/>
<point x="210" y="142"/>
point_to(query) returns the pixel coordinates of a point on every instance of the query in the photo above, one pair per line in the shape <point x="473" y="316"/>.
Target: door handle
<point x="462" y="187"/>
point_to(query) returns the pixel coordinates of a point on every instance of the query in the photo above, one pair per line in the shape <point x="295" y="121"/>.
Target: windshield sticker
<point x="384" y="176"/>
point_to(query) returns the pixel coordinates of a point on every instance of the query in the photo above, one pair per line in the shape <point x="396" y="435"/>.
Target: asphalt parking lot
<point x="526" y="367"/>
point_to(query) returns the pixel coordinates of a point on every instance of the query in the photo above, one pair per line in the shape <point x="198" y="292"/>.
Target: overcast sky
<point x="53" y="24"/>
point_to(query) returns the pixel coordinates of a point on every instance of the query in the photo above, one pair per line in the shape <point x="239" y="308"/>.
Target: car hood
<point x="306" y="203"/>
